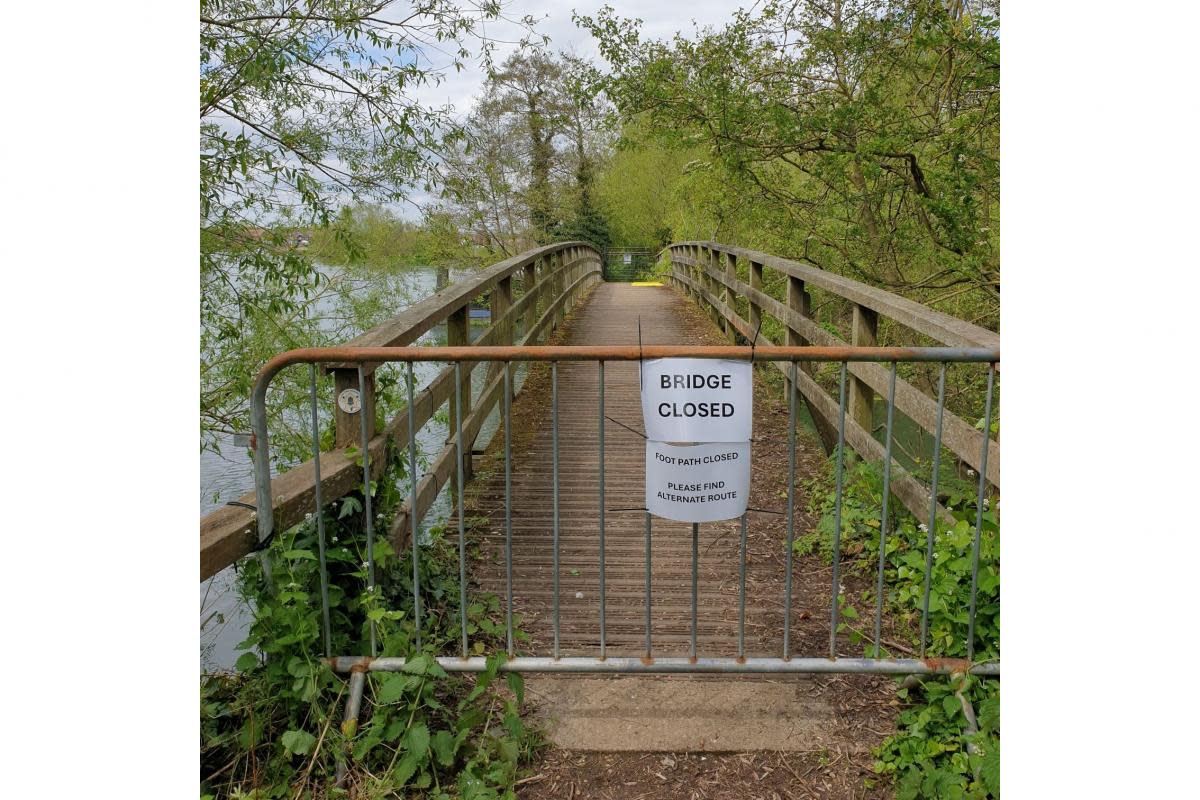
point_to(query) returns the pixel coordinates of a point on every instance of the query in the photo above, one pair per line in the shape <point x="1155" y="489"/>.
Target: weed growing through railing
<point x="274" y="728"/>
<point x="939" y="751"/>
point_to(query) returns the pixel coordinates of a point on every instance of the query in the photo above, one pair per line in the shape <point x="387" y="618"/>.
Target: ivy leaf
<point x="298" y="742"/>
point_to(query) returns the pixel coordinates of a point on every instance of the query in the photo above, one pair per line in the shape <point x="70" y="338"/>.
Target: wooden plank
<point x="935" y="324"/>
<point x="800" y="303"/>
<point x="864" y="327"/>
<point x="958" y="436"/>
<point x="458" y="332"/>
<point x="347" y="429"/>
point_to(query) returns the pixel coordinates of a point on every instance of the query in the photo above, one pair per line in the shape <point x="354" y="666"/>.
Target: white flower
<point x="923" y="528"/>
<point x="308" y="516"/>
<point x="971" y="473"/>
<point x="579" y="595"/>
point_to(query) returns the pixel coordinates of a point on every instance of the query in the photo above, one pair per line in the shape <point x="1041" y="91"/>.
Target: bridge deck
<point x="610" y="316"/>
<point x="791" y="713"/>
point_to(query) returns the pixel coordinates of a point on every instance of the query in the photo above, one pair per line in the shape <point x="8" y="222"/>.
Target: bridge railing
<point x="533" y="290"/>
<point x="708" y="272"/>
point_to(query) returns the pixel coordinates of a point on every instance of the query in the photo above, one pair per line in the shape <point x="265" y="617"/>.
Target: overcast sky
<point x="661" y="18"/>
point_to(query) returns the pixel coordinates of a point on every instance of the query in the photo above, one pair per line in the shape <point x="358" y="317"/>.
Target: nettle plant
<point x="274" y="728"/>
<point x="939" y="750"/>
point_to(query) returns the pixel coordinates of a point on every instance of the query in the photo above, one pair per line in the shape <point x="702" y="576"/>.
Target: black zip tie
<point x="754" y="341"/>
<point x="241" y="504"/>
<point x="623" y="425"/>
<point x="264" y="544"/>
<point x="616" y="510"/>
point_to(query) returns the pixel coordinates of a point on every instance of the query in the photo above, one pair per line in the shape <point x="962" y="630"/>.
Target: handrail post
<point x="800" y="301"/>
<point x="756" y="282"/>
<point x="501" y="302"/>
<point x="710" y="284"/>
<point x="458" y="332"/>
<point x="529" y="284"/>
<point x="864" y="328"/>
<point x="556" y="283"/>
<point x="730" y="297"/>
<point x="347" y="429"/>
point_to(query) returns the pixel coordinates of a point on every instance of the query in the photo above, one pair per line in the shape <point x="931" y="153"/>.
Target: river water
<point x="228" y="474"/>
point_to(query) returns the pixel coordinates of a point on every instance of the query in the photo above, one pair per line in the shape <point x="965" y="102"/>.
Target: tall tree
<point x="304" y="107"/>
<point x="865" y="131"/>
<point x="527" y="85"/>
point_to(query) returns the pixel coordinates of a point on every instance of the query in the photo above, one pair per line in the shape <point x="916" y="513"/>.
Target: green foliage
<point x="273" y="727"/>
<point x="932" y="755"/>
<point x="525" y="173"/>
<point x="862" y="136"/>
<point x="303" y="109"/>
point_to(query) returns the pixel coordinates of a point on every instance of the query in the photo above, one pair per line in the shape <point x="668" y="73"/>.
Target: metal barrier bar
<point x="554" y="448"/>
<point x="462" y="526"/>
<point x="837" y="512"/>
<point x="742" y="593"/>
<point x="987" y="425"/>
<point x="508" y="579"/>
<point x="759" y="355"/>
<point x="368" y="516"/>
<point x="931" y="528"/>
<point x="891" y="666"/>
<point x="318" y="506"/>
<point x="695" y="582"/>
<point x="791" y="517"/>
<point x="649" y="650"/>
<point x="883" y="518"/>
<point x="416" y="549"/>
<point x="603" y="639"/>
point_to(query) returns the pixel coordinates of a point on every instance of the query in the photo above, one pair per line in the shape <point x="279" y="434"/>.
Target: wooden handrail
<point x="229" y="532"/>
<point x="712" y="281"/>
<point x="937" y="325"/>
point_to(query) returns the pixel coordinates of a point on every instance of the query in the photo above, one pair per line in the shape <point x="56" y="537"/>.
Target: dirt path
<point x="658" y="736"/>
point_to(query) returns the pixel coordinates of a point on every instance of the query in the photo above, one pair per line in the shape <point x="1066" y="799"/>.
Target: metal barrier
<point x="624" y="265"/>
<point x="787" y="358"/>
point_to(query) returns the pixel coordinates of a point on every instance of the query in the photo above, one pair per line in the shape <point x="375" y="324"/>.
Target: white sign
<point x="697" y="400"/>
<point x="629" y="258"/>
<point x="699" y="482"/>
<point x="349" y="401"/>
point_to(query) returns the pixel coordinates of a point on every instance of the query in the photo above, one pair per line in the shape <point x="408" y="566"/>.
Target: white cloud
<point x="661" y="20"/>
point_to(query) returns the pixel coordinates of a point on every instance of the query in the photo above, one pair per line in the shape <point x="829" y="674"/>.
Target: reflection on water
<point x="228" y="474"/>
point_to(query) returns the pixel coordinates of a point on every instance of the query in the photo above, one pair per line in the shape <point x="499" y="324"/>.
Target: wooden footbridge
<point x="600" y="585"/>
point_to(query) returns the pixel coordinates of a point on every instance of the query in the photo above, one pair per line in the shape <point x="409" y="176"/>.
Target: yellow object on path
<point x="647" y="283"/>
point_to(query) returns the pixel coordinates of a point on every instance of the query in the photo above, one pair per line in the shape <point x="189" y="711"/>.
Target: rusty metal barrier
<point x="694" y="662"/>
